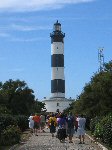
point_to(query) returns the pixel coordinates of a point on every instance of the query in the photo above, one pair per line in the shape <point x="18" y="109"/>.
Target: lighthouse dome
<point x="57" y="26"/>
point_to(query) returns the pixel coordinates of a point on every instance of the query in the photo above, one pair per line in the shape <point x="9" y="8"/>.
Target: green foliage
<point x="96" y="97"/>
<point x="98" y="132"/>
<point x="38" y="106"/>
<point x="108" y="66"/>
<point x="93" y="123"/>
<point x="107" y="131"/>
<point x="4" y="110"/>
<point x="6" y="120"/>
<point x="101" y="128"/>
<point x="22" y="122"/>
<point x="10" y="127"/>
<point x="18" y="99"/>
<point x="10" y="135"/>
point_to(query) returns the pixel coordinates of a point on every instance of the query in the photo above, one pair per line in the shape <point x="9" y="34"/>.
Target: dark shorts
<point x="70" y="131"/>
<point x="52" y="129"/>
<point x="36" y="125"/>
<point x="42" y="124"/>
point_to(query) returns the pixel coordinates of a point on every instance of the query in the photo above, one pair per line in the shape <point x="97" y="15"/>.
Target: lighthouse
<point x="57" y="101"/>
<point x="57" y="62"/>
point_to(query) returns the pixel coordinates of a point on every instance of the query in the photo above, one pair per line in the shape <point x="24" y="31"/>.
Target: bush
<point x="22" y="122"/>
<point x="6" y="120"/>
<point x="93" y="123"/>
<point x="10" y="135"/>
<point x="98" y="132"/>
<point x="87" y="125"/>
<point x="4" y="110"/>
<point x="102" y="129"/>
<point x="10" y="127"/>
<point x="107" y="131"/>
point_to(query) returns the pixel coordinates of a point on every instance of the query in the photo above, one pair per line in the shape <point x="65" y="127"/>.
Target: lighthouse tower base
<point x="57" y="104"/>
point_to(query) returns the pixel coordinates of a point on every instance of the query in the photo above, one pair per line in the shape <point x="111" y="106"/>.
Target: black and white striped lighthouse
<point x="57" y="62"/>
<point x="57" y="101"/>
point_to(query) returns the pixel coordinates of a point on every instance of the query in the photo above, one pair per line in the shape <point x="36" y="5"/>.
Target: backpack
<point x="52" y="122"/>
<point x="70" y="122"/>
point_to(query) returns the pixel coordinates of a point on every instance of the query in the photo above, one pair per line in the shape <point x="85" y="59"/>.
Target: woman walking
<point x="31" y="122"/>
<point x="70" y="124"/>
<point x="81" y="129"/>
<point x="36" y="119"/>
<point x="52" y="124"/>
<point x="61" y="134"/>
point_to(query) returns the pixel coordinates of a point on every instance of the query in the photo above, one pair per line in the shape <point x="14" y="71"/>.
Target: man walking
<point x="70" y="126"/>
<point x="36" y="119"/>
<point x="81" y="129"/>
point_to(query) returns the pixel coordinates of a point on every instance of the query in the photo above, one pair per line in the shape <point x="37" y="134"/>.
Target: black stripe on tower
<point x="57" y="60"/>
<point x="57" y="85"/>
<point x="57" y="36"/>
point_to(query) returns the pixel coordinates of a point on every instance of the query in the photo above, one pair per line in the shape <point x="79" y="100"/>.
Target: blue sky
<point x="25" y="45"/>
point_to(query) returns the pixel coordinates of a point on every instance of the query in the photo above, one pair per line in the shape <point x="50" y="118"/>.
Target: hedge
<point x="101" y="128"/>
<point x="11" y="127"/>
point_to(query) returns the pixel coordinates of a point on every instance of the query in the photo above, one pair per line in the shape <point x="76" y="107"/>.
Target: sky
<point x="25" y="44"/>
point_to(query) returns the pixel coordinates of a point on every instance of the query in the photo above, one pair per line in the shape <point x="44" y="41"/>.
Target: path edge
<point x="99" y="144"/>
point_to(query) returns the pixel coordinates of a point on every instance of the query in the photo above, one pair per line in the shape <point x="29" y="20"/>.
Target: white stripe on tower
<point x="57" y="62"/>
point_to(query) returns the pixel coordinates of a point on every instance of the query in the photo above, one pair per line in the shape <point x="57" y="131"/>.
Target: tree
<point x="96" y="98"/>
<point x="18" y="97"/>
<point x="108" y="66"/>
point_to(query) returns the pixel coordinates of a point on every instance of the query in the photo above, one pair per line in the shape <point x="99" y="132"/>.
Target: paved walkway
<point x="44" y="141"/>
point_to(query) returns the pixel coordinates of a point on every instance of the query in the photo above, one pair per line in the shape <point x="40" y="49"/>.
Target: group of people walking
<point x="37" y="123"/>
<point x="65" y="125"/>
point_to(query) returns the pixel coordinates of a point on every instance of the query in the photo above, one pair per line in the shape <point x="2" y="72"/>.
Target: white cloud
<point x="32" y="5"/>
<point x="19" y="27"/>
<point x="22" y="28"/>
<point x="28" y="28"/>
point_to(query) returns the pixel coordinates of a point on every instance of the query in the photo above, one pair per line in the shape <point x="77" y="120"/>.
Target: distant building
<point x="57" y="101"/>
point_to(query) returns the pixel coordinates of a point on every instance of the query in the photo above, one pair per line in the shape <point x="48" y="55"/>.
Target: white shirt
<point x="81" y="123"/>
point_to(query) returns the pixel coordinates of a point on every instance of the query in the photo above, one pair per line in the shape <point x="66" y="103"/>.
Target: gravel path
<point x="44" y="141"/>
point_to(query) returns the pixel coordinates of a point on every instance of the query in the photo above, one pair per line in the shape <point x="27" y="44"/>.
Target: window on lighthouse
<point x="57" y="28"/>
<point x="57" y="104"/>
